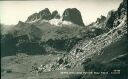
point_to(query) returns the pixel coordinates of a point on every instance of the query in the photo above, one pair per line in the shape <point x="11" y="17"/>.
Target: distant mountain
<point x="73" y="15"/>
<point x="55" y="15"/>
<point x="42" y="15"/>
<point x="70" y="15"/>
<point x="99" y="23"/>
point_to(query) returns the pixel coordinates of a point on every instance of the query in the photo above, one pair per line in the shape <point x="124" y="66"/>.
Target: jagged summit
<point x="110" y="19"/>
<point x="101" y="19"/>
<point x="42" y="15"/>
<point x="20" y="23"/>
<point x="55" y="15"/>
<point x="70" y="15"/>
<point x="45" y="14"/>
<point x="99" y="23"/>
<point x="114" y="18"/>
<point x="73" y="15"/>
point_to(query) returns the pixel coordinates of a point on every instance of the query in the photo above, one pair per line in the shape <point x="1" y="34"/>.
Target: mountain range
<point x="46" y="29"/>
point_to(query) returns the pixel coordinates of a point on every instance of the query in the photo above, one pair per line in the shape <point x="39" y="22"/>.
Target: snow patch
<point x="59" y="22"/>
<point x="33" y="21"/>
<point x="55" y="22"/>
<point x="67" y="22"/>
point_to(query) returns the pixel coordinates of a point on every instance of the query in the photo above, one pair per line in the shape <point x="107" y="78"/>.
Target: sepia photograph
<point x="64" y="39"/>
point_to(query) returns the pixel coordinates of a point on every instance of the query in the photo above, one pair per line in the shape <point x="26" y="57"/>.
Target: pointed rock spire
<point x="73" y="15"/>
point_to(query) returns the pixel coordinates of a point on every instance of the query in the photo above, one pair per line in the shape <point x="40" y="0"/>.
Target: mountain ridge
<point x="69" y="15"/>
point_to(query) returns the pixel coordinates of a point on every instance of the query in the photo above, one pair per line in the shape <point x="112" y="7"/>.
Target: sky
<point x="11" y="12"/>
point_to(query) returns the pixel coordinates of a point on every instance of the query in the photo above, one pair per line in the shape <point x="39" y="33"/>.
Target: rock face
<point x="120" y="13"/>
<point x="99" y="23"/>
<point x="114" y="18"/>
<point x="55" y="15"/>
<point x="45" y="14"/>
<point x="42" y="15"/>
<point x="73" y="15"/>
<point x="98" y="27"/>
<point x="110" y="19"/>
<point x="101" y="19"/>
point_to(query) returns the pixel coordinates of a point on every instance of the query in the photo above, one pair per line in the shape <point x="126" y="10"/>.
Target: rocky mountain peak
<point x="101" y="19"/>
<point x="123" y="5"/>
<point x="114" y="18"/>
<point x="55" y="15"/>
<point x="20" y="23"/>
<point x="73" y="15"/>
<point x="122" y="10"/>
<point x="44" y="14"/>
<point x="110" y="19"/>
